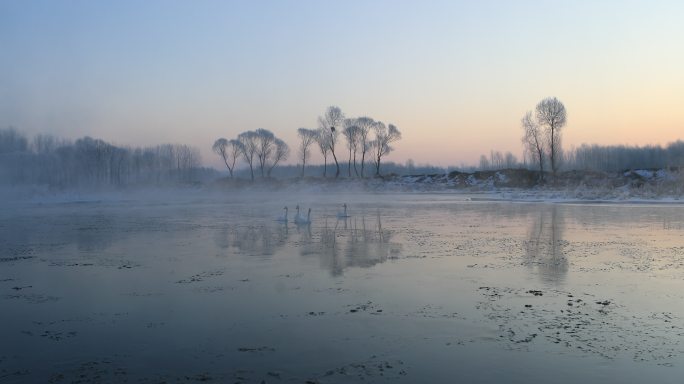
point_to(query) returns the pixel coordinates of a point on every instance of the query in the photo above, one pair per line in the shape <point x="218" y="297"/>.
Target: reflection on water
<point x="338" y="244"/>
<point x="256" y="240"/>
<point x="544" y="245"/>
<point x="351" y="242"/>
<point x="223" y="293"/>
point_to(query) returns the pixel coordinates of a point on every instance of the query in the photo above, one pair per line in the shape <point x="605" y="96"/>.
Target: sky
<point x="454" y="76"/>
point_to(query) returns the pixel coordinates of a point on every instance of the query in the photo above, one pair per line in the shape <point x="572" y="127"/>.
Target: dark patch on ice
<point x="366" y="307"/>
<point x="436" y="312"/>
<point x="14" y="258"/>
<point x="58" y="335"/>
<point x="141" y="294"/>
<point x="599" y="327"/>
<point x="201" y="276"/>
<point x="20" y="288"/>
<point x="33" y="298"/>
<point x="102" y="371"/>
<point x="256" y="349"/>
<point x="369" y="370"/>
<point x="214" y="289"/>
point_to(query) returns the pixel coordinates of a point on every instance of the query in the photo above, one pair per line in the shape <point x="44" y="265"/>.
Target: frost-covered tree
<point x="248" y="144"/>
<point x="306" y="138"/>
<point x="510" y="160"/>
<point x="484" y="163"/>
<point x="280" y="153"/>
<point x="351" y="136"/>
<point x="44" y="144"/>
<point x="230" y="151"/>
<point x="12" y="141"/>
<point x="551" y="116"/>
<point x="48" y="160"/>
<point x="322" y="139"/>
<point x="187" y="158"/>
<point x="384" y="136"/>
<point x="533" y="141"/>
<point x="330" y="124"/>
<point x="365" y="125"/>
<point x="264" y="149"/>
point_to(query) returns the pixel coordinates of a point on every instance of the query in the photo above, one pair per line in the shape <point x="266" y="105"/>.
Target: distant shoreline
<point x="513" y="185"/>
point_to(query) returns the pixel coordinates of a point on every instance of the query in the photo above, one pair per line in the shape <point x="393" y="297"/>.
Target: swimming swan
<point x="343" y="214"/>
<point x="283" y="218"/>
<point x="297" y="215"/>
<point x="301" y="220"/>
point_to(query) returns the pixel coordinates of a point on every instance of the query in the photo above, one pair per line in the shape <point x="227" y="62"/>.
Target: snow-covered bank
<point x="664" y="186"/>
<point x="517" y="184"/>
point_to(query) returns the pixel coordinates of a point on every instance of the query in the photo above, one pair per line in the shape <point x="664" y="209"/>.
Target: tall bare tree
<point x="248" y="142"/>
<point x="265" y="140"/>
<point x="306" y="138"/>
<point x="280" y="153"/>
<point x="384" y="136"/>
<point x="551" y="115"/>
<point x="331" y="123"/>
<point x="351" y="135"/>
<point x="365" y="125"/>
<point x="322" y="139"/>
<point x="533" y="140"/>
<point x="229" y="150"/>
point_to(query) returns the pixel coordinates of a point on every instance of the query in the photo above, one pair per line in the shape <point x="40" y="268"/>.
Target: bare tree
<point x="49" y="160"/>
<point x="280" y="153"/>
<point x="384" y="136"/>
<point x="496" y="158"/>
<point x="365" y="125"/>
<point x="265" y="141"/>
<point x="510" y="160"/>
<point x="533" y="141"/>
<point x="220" y="148"/>
<point x="44" y="143"/>
<point x="551" y="115"/>
<point x="322" y="138"/>
<point x="306" y="138"/>
<point x="351" y="135"/>
<point x="484" y="163"/>
<point x="330" y="123"/>
<point x="229" y="150"/>
<point x="12" y="141"/>
<point x="187" y="159"/>
<point x="248" y="143"/>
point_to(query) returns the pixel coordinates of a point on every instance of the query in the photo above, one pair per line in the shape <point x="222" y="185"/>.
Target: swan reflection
<point x="257" y="240"/>
<point x="357" y="242"/>
<point x="336" y="243"/>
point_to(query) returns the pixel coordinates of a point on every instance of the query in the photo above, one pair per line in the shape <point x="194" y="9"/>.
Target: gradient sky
<point x="455" y="77"/>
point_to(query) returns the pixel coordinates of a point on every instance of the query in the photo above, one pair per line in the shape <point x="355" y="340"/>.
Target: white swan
<point x="283" y="218"/>
<point x="301" y="220"/>
<point x="297" y="215"/>
<point x="343" y="214"/>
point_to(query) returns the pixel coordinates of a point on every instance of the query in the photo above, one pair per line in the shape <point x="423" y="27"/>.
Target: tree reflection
<point x="353" y="242"/>
<point x="337" y="244"/>
<point x="544" y="245"/>
<point x="258" y="240"/>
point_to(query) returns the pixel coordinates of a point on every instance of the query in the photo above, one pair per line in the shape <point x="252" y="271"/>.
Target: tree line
<point x="367" y="142"/>
<point x="353" y="144"/>
<point x="542" y="146"/>
<point x="49" y="160"/>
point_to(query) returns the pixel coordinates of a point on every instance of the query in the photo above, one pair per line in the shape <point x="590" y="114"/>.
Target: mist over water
<point x="410" y="287"/>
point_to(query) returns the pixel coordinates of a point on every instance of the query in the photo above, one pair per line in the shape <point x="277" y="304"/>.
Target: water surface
<point x="410" y="288"/>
